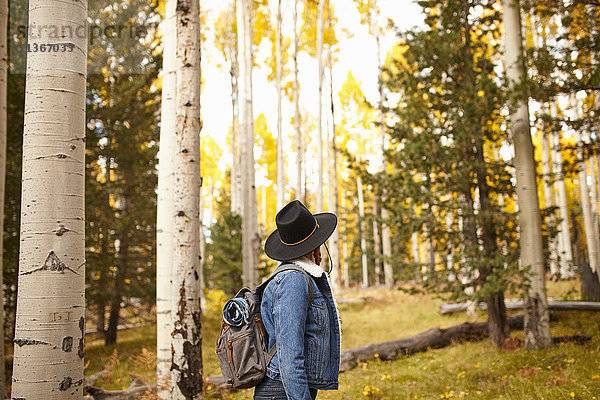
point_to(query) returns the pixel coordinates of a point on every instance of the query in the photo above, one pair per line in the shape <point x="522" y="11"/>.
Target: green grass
<point x="470" y="370"/>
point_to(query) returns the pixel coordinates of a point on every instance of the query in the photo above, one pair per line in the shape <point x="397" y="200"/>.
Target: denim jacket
<point x="308" y="336"/>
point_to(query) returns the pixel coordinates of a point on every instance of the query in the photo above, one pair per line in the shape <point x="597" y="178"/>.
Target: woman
<point x="307" y="336"/>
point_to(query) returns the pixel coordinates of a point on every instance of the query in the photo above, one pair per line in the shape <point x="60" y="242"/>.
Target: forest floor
<point x="462" y="371"/>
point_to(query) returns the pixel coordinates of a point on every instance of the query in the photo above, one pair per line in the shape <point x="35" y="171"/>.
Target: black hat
<point x="298" y="232"/>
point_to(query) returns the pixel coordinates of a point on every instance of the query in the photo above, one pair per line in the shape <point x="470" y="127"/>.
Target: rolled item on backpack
<point x="236" y="312"/>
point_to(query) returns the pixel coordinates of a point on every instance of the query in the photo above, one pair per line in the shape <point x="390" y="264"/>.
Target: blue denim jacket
<point x="307" y="336"/>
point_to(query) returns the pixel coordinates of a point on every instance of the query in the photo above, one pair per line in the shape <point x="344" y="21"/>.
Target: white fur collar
<point x="309" y="266"/>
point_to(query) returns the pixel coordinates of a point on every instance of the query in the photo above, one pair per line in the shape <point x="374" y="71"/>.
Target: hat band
<point x="306" y="238"/>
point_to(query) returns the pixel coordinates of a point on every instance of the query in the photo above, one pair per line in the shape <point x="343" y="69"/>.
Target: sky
<point x="356" y="53"/>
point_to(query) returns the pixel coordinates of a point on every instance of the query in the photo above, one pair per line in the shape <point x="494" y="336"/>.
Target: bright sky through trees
<point x="357" y="52"/>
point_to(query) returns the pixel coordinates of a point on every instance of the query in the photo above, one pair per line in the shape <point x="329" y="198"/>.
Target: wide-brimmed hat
<point x="298" y="232"/>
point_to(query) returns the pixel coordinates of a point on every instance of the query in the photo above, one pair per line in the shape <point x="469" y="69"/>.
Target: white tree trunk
<point x="564" y="236"/>
<point x="320" y="61"/>
<point x="202" y="250"/>
<point x="263" y="202"/>
<point x="249" y="201"/>
<point x="3" y="85"/>
<point x="590" y="226"/>
<point x="450" y="259"/>
<point x="376" y="242"/>
<point x="386" y="239"/>
<point x="186" y="369"/>
<point x="165" y="210"/>
<point x="281" y="174"/>
<point x="416" y="254"/>
<point x="299" y="145"/>
<point x="334" y="240"/>
<point x="236" y="171"/>
<point x="549" y="201"/>
<point x="363" y="234"/>
<point x="50" y="322"/>
<point x="537" y="320"/>
<point x="594" y="191"/>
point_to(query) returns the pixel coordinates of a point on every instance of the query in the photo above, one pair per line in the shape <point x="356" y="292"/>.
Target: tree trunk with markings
<point x="186" y="366"/>
<point x="564" y="235"/>
<point x="590" y="224"/>
<point x="321" y="70"/>
<point x="165" y="210"/>
<point x="296" y="87"/>
<point x="246" y="131"/>
<point x="281" y="174"/>
<point x="50" y="323"/>
<point x="3" y="83"/>
<point x="537" y="319"/>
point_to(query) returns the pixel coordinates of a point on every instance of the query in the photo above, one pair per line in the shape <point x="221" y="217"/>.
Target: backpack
<point x="242" y="350"/>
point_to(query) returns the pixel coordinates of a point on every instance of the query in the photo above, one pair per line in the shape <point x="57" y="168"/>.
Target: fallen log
<point x="518" y="304"/>
<point x="135" y="390"/>
<point x="431" y="339"/>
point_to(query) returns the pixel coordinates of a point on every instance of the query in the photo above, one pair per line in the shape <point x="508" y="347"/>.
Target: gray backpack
<point x="242" y="350"/>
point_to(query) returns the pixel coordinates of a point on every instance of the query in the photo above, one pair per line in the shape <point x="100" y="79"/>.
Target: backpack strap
<point x="285" y="267"/>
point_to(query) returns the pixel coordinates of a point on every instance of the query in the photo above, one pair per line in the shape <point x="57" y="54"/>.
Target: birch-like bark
<point x="590" y="227"/>
<point x="320" y="26"/>
<point x="165" y="210"/>
<point x="202" y="249"/>
<point x="263" y="203"/>
<point x="537" y="320"/>
<point x="593" y="27"/>
<point x="299" y="145"/>
<point x="334" y="240"/>
<point x="363" y="234"/>
<point x="249" y="201"/>
<point x="414" y="242"/>
<point x="450" y="259"/>
<point x="345" y="269"/>
<point x="236" y="171"/>
<point x="281" y="175"/>
<point x="539" y="40"/>
<point x="386" y="239"/>
<point x="564" y="236"/>
<point x="50" y="323"/>
<point x="594" y="174"/>
<point x="186" y="367"/>
<point x="549" y="201"/>
<point x="3" y="85"/>
<point x="376" y="241"/>
<point x="593" y="187"/>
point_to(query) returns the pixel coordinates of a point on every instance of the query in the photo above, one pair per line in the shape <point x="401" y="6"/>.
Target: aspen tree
<point x="165" y="207"/>
<point x="549" y="201"/>
<point x="296" y="88"/>
<point x="186" y="368"/>
<point x="50" y="322"/>
<point x="281" y="174"/>
<point x="321" y="68"/>
<point x="590" y="226"/>
<point x="334" y="194"/>
<point x="537" y="319"/>
<point x="386" y="239"/>
<point x="3" y="83"/>
<point x="416" y="254"/>
<point x="246" y="132"/>
<point x="540" y="41"/>
<point x="564" y="236"/>
<point x="363" y="234"/>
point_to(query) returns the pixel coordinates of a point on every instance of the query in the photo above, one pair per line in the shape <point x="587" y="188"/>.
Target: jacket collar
<point x="306" y="264"/>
